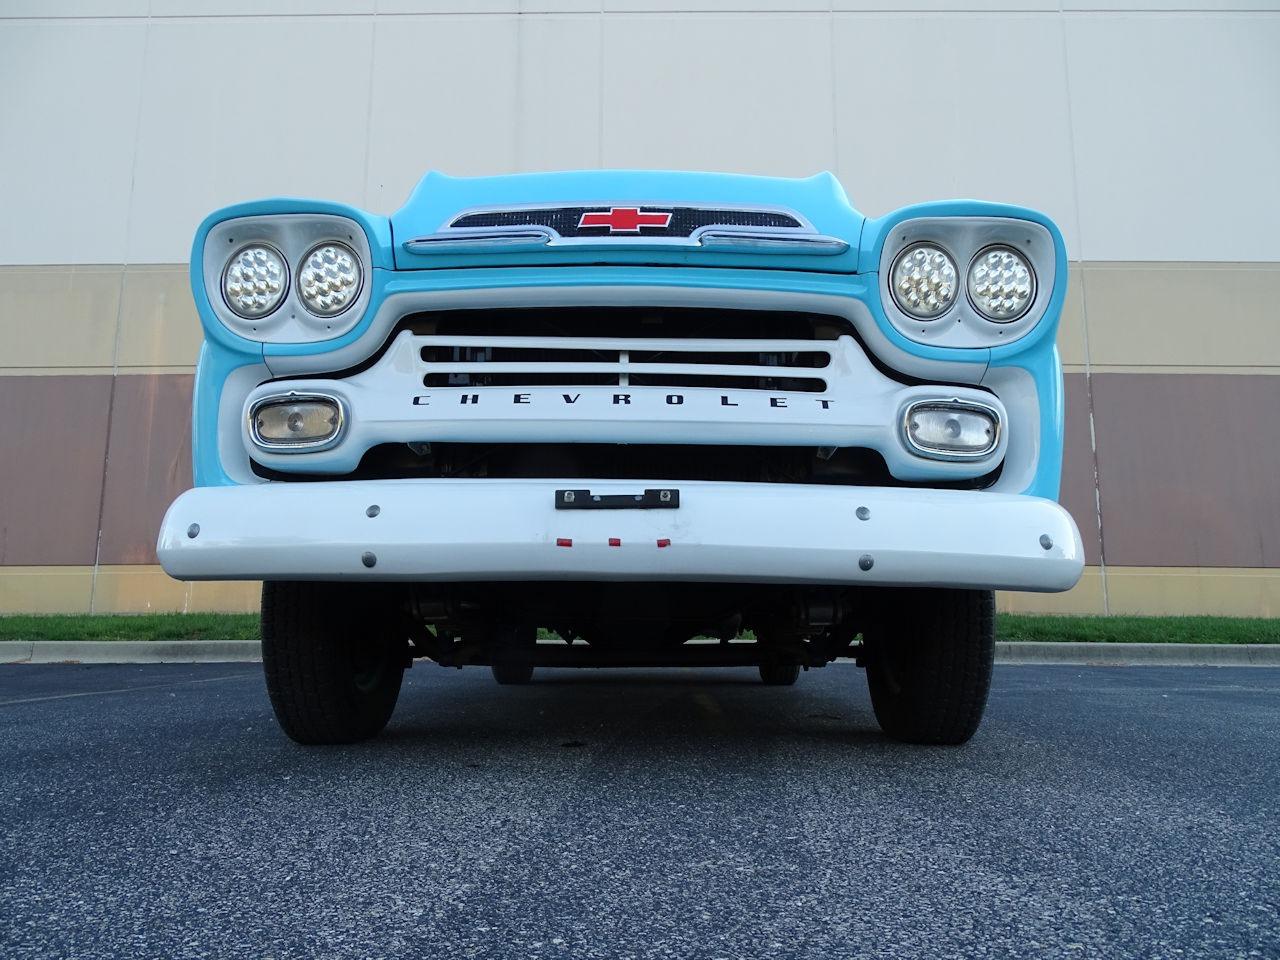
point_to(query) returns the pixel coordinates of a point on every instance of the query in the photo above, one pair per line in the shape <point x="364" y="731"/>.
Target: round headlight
<point x="254" y="281"/>
<point x="329" y="279"/>
<point x="1001" y="284"/>
<point x="924" y="281"/>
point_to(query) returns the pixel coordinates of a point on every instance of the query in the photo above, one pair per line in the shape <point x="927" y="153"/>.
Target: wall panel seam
<point x="115" y="347"/>
<point x="1084" y="311"/>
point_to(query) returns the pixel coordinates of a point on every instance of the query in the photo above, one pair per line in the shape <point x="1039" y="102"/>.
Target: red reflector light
<point x="563" y="542"/>
<point x="615" y="542"/>
<point x="664" y="542"/>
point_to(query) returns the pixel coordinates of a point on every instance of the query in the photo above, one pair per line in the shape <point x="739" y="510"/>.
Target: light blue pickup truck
<point x="620" y="418"/>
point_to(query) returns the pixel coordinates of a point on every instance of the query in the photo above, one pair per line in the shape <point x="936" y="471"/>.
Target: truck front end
<point x="625" y="412"/>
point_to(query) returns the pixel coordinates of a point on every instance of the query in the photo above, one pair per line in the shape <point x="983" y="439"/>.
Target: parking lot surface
<point x="157" y="811"/>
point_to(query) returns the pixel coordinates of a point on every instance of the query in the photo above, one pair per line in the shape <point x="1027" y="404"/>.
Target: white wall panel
<point x="559" y="100"/>
<point x="746" y="94"/>
<point x="241" y="109"/>
<point x="444" y="98"/>
<point x="1148" y="135"/>
<point x="1164" y="6"/>
<point x="448" y="6"/>
<point x="68" y="119"/>
<point x="714" y="6"/>
<point x="1177" y="135"/>
<point x="927" y="112"/>
<point x="261" y="8"/>
<point x="944" y="6"/>
<point x="74" y="8"/>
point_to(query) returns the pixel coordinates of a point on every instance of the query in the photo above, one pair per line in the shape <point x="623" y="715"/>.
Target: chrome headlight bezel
<point x="973" y="265"/>
<point x="948" y="264"/>
<point x="302" y="446"/>
<point x="303" y="265"/>
<point x="957" y="404"/>
<point x="285" y="274"/>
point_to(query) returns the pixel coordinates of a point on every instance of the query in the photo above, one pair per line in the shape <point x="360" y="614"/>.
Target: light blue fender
<point x="1036" y="352"/>
<point x="819" y="199"/>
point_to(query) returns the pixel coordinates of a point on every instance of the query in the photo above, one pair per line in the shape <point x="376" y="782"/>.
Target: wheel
<point x="333" y="659"/>
<point x="779" y="674"/>
<point x="513" y="649"/>
<point x="512" y="673"/>
<point x="929" y="658"/>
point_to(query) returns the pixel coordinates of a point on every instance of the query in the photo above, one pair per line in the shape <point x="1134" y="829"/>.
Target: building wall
<point x="1149" y="131"/>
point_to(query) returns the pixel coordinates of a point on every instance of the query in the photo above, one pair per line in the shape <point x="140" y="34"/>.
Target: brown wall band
<point x="1186" y="466"/>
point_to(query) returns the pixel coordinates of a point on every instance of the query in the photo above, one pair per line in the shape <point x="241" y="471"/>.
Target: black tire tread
<point x="306" y="632"/>
<point x="930" y="661"/>
<point x="512" y="673"/>
<point x="779" y="674"/>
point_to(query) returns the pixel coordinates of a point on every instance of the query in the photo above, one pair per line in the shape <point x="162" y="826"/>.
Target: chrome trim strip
<point x="750" y="241"/>
<point x="305" y="446"/>
<point x="955" y="403"/>
<point x="465" y="239"/>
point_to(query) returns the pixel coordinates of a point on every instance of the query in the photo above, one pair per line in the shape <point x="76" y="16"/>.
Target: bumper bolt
<point x="373" y="511"/>
<point x="193" y="531"/>
<point x="1046" y="541"/>
<point x="866" y="562"/>
<point x="863" y="513"/>
<point x="368" y="559"/>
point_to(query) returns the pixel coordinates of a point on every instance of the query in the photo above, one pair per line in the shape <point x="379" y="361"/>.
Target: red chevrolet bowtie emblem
<point x="624" y="219"/>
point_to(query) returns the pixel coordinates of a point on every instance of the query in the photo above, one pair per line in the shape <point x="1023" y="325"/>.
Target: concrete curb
<point x="250" y="651"/>
<point x="131" y="651"/>
<point x="1140" y="654"/>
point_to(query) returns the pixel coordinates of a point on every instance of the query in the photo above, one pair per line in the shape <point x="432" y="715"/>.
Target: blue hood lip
<point x="819" y="202"/>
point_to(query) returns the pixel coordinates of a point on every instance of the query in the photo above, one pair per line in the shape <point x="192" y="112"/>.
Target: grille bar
<point x="621" y="367"/>
<point x="691" y="345"/>
<point x="659" y="362"/>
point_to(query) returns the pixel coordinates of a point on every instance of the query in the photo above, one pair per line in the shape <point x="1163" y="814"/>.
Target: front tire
<point x="929" y="659"/>
<point x="512" y="674"/>
<point x="333" y="659"/>
<point x="779" y="673"/>
<point x="513" y="649"/>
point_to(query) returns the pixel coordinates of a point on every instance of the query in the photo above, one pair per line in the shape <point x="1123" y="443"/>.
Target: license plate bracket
<point x="658" y="498"/>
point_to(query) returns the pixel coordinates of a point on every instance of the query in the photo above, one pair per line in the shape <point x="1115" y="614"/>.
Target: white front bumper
<point x="510" y="530"/>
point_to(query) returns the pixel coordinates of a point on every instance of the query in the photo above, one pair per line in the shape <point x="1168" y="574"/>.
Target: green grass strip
<point x="143" y="626"/>
<point x="241" y="626"/>
<point x="1139" y="629"/>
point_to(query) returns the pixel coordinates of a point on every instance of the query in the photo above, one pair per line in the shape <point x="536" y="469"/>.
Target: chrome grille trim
<point x="625" y="357"/>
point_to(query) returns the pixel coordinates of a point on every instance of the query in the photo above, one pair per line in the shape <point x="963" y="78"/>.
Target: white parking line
<point x="141" y="686"/>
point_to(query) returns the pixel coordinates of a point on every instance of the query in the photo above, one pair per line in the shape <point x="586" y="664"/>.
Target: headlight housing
<point x="995" y="302"/>
<point x="255" y="280"/>
<point x="296" y="422"/>
<point x="924" y="281"/>
<point x="1001" y="283"/>
<point x="329" y="279"/>
<point x="325" y="256"/>
<point x="951" y="429"/>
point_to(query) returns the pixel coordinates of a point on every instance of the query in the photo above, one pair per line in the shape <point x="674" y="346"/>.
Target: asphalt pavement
<point x="156" y="811"/>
